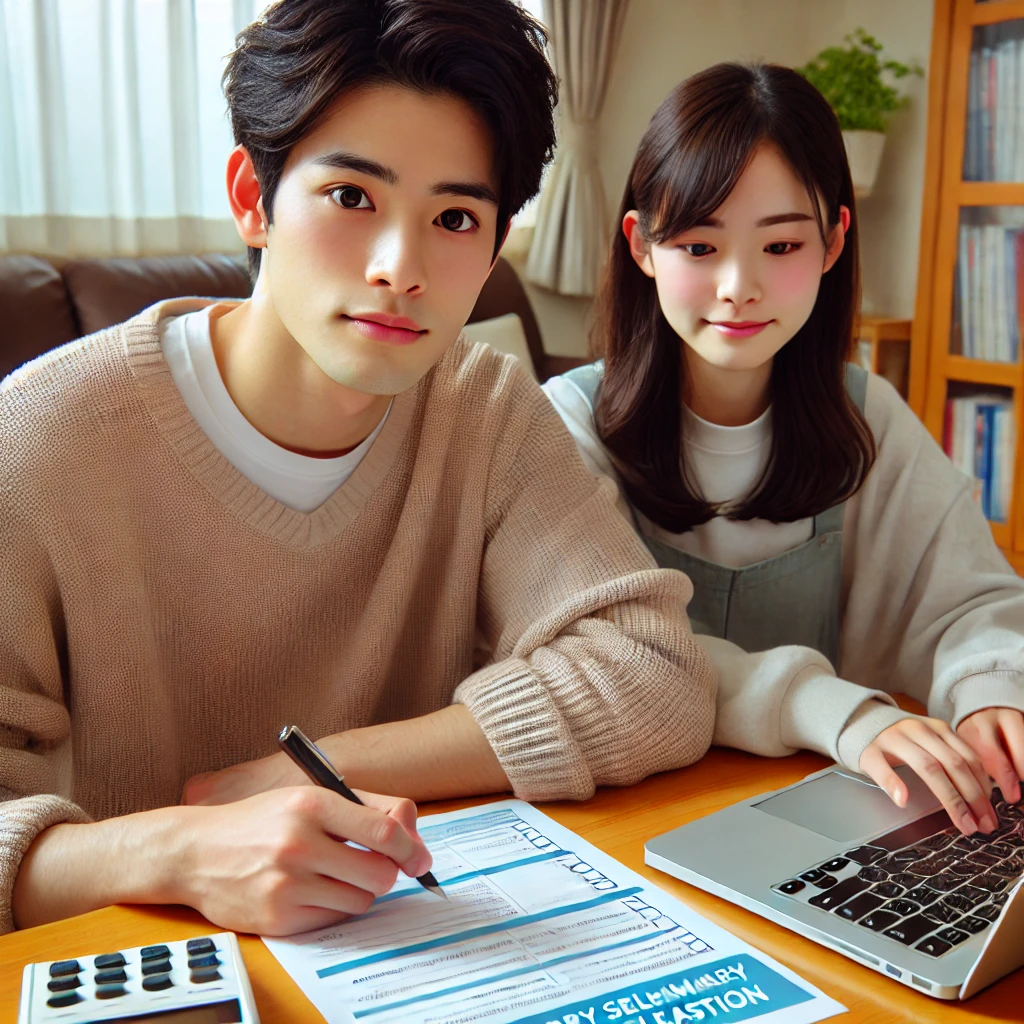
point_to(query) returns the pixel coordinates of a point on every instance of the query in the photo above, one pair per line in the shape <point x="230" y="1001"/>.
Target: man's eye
<point x="781" y="248"/>
<point x="697" y="248"/>
<point x="351" y="198"/>
<point x="456" y="220"/>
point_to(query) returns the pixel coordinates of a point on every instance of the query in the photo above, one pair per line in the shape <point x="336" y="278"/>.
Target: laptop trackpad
<point x="844" y="809"/>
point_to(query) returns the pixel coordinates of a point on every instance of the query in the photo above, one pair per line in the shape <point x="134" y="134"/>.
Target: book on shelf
<point x="994" y="142"/>
<point x="988" y="294"/>
<point x="979" y="438"/>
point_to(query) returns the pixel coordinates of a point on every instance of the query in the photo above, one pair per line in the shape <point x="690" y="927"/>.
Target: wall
<point x="664" y="41"/>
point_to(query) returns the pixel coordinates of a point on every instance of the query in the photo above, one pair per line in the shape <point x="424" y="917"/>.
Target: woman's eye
<point x="456" y="220"/>
<point x="351" y="198"/>
<point x="781" y="248"/>
<point x="697" y="248"/>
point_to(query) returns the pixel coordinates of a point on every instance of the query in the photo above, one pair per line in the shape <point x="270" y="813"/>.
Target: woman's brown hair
<point x="694" y="150"/>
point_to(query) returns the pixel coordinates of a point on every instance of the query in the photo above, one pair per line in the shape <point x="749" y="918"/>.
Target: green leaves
<point x="850" y="79"/>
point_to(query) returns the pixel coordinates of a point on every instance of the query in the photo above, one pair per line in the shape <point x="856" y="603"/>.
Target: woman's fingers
<point x="945" y="773"/>
<point x="1011" y="725"/>
<point x="981" y="732"/>
<point x="875" y="766"/>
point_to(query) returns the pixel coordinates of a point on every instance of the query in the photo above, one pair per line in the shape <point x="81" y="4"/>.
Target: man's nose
<point x="397" y="262"/>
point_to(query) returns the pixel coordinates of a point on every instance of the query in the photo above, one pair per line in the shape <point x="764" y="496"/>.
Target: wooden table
<point x="617" y="821"/>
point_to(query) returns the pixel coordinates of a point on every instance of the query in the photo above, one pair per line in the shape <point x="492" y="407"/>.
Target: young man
<point x="313" y="507"/>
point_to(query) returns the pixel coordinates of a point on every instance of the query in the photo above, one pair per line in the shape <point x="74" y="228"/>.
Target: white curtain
<point x="571" y="232"/>
<point x="113" y="128"/>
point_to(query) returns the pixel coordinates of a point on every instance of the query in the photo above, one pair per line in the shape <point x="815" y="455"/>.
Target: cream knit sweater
<point x="161" y="616"/>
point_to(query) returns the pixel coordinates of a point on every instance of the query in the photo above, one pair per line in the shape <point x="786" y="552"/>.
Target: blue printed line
<point x="473" y="933"/>
<point x="514" y="974"/>
<point x="494" y="869"/>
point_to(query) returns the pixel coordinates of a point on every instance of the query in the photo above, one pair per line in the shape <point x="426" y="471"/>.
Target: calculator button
<point x="65" y="984"/>
<point x="62" y="967"/>
<point x="197" y="946"/>
<point x="63" y="999"/>
<point x="200" y="962"/>
<point x="200" y="978"/>
<point x="154" y="953"/>
<point x="111" y="978"/>
<point x="110" y="991"/>
<point x="106" y="960"/>
<point x="156" y="967"/>
<point x="157" y="983"/>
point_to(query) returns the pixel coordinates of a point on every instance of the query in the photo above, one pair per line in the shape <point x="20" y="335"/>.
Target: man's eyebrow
<point x="764" y="222"/>
<point x="344" y="161"/>
<point x="467" y="189"/>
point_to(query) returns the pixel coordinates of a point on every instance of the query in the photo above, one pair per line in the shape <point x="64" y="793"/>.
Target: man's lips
<point x="397" y="330"/>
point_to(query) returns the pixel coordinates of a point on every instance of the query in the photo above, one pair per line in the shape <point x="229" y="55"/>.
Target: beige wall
<point x="664" y="41"/>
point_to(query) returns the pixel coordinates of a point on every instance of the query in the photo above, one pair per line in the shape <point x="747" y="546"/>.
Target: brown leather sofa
<point x="45" y="304"/>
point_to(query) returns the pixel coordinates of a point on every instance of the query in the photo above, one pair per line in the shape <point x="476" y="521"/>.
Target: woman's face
<point x="738" y="286"/>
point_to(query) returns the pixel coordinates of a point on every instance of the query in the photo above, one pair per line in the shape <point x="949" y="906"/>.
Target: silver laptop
<point x="900" y="890"/>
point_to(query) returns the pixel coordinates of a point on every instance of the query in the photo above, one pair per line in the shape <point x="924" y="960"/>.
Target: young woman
<point x="836" y="555"/>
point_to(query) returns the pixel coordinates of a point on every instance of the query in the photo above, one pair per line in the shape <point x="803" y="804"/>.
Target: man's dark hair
<point x="291" y="64"/>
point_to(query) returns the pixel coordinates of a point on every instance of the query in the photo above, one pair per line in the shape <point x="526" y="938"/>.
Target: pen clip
<point x="307" y="753"/>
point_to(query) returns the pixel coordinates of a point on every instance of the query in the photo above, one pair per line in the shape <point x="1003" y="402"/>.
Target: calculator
<point x="197" y="981"/>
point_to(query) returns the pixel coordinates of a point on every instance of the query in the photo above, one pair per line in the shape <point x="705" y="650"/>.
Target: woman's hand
<point x="952" y="770"/>
<point x="996" y="735"/>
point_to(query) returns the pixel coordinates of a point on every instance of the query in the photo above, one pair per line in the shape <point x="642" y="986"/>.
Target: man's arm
<point x="434" y="757"/>
<point x="274" y="864"/>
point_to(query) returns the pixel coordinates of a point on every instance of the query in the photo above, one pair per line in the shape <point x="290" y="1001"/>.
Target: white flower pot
<point x="864" y="152"/>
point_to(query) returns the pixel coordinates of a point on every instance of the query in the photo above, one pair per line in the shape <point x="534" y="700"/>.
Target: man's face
<point x="382" y="236"/>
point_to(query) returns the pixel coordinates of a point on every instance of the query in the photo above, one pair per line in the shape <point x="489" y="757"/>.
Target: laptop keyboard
<point x="924" y="884"/>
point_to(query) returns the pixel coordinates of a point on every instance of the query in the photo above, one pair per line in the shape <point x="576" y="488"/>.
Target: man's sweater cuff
<point x="986" y="690"/>
<point x="818" y="708"/>
<point x="21" y="821"/>
<point x="870" y="719"/>
<point x="530" y="738"/>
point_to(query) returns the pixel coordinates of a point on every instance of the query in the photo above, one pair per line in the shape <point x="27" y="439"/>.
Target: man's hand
<point x="951" y="769"/>
<point x="243" y="780"/>
<point x="996" y="735"/>
<point x="276" y="863"/>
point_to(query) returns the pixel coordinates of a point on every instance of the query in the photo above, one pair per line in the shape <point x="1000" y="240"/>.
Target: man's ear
<point x="638" y="246"/>
<point x="837" y="239"/>
<point x="245" y="199"/>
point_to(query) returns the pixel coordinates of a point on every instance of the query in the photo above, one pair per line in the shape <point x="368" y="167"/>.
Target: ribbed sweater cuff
<point x="819" y="708"/>
<point x="986" y="690"/>
<point x="528" y="735"/>
<point x="870" y="719"/>
<point x="20" y="822"/>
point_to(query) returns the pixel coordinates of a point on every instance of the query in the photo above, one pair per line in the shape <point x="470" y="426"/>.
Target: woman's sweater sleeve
<point x="931" y="608"/>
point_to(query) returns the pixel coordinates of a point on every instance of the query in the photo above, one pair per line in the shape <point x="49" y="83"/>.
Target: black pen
<point x="312" y="761"/>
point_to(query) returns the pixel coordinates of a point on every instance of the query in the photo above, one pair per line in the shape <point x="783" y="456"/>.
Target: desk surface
<point x="617" y="821"/>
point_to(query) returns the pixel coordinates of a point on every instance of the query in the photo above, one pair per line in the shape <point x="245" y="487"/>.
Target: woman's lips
<point x="739" y="328"/>
<point x="390" y="330"/>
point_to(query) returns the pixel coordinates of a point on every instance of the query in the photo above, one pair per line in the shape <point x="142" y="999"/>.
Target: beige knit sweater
<point x="161" y="616"/>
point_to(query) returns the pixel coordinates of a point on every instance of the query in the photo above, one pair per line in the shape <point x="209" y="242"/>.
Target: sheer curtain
<point x="113" y="128"/>
<point x="571" y="237"/>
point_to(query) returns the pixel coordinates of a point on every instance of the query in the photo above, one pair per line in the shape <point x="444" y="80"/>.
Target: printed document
<point x="540" y="927"/>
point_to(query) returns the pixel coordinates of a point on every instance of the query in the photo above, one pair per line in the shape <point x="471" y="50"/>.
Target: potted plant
<point x="851" y="79"/>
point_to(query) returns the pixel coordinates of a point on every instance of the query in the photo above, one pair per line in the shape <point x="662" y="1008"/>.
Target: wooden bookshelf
<point x="933" y="366"/>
